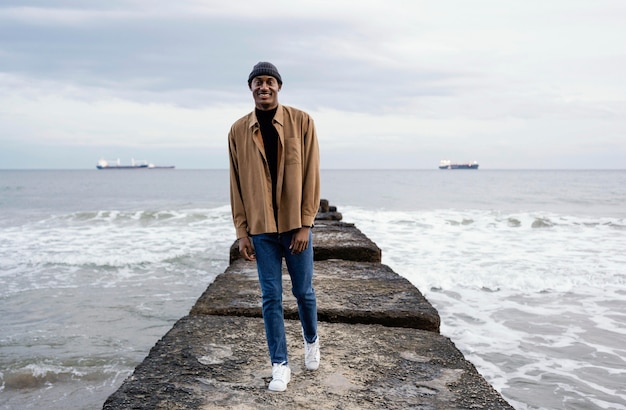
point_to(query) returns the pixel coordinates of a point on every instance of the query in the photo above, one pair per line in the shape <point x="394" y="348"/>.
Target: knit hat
<point x="264" y="68"/>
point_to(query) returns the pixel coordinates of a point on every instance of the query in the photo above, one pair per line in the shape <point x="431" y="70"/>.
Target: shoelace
<point x="310" y="350"/>
<point x="279" y="371"/>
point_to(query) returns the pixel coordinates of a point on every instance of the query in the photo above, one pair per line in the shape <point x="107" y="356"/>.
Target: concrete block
<point x="347" y="292"/>
<point x="220" y="362"/>
<point x="335" y="240"/>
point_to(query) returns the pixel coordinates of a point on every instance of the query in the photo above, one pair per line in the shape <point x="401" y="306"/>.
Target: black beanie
<point x="265" y="68"/>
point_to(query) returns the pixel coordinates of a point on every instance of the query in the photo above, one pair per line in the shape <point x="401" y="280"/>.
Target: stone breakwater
<point x="379" y="337"/>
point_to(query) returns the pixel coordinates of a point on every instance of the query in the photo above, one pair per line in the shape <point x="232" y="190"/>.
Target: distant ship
<point x="447" y="164"/>
<point x="104" y="164"/>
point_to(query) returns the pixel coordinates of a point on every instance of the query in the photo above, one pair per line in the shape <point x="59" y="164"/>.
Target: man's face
<point x="265" y="90"/>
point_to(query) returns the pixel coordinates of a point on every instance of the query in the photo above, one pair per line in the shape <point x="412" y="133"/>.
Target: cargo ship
<point x="447" y="164"/>
<point x="104" y="164"/>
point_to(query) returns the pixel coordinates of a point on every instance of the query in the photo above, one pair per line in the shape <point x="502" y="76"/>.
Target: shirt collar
<point x="254" y="121"/>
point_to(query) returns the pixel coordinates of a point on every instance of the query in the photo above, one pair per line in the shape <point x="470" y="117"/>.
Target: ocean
<point x="526" y="268"/>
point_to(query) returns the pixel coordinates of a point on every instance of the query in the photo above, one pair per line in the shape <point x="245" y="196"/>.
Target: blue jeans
<point x="270" y="250"/>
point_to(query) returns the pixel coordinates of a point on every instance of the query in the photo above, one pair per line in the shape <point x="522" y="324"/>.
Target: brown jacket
<point x="298" y="186"/>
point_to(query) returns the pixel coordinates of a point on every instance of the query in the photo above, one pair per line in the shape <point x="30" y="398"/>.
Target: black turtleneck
<point x="270" y="141"/>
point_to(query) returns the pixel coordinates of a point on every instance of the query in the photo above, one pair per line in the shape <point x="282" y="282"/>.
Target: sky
<point x="391" y="84"/>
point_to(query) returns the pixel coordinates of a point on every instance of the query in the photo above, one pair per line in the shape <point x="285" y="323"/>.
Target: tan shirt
<point x="298" y="185"/>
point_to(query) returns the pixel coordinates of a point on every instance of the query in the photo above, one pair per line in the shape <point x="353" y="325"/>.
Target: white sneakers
<point x="281" y="375"/>
<point x="312" y="354"/>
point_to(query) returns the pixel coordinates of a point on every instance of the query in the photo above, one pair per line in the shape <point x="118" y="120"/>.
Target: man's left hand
<point x="300" y="240"/>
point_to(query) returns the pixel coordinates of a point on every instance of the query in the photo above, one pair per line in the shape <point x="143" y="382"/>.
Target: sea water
<point x="526" y="268"/>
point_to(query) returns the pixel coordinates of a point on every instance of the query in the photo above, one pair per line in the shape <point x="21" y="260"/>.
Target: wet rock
<point x="380" y="341"/>
<point x="215" y="362"/>
<point x="335" y="240"/>
<point x="347" y="292"/>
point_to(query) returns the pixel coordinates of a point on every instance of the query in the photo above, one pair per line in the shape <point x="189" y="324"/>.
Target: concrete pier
<point x="379" y="337"/>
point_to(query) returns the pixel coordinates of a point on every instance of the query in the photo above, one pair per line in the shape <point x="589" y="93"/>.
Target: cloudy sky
<point x="512" y="84"/>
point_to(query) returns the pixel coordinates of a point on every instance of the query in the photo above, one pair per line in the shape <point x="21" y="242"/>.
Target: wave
<point x="434" y="249"/>
<point x="39" y="374"/>
<point x="12" y="188"/>
<point x="106" y="239"/>
<point x="441" y="249"/>
<point x="85" y="381"/>
<point x="533" y="299"/>
<point x="142" y="217"/>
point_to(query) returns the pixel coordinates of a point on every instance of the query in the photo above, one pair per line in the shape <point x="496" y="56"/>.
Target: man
<point x="274" y="195"/>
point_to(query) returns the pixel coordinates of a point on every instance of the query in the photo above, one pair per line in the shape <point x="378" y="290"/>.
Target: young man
<point x="274" y="196"/>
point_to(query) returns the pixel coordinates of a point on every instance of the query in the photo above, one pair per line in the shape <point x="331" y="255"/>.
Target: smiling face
<point x="265" y="90"/>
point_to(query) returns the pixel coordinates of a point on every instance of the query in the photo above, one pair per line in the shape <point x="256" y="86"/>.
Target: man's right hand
<point x="246" y="249"/>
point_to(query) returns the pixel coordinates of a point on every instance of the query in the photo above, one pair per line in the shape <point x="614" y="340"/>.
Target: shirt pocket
<point x="293" y="150"/>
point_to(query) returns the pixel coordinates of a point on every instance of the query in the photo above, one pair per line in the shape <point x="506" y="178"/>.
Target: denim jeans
<point x="270" y="250"/>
